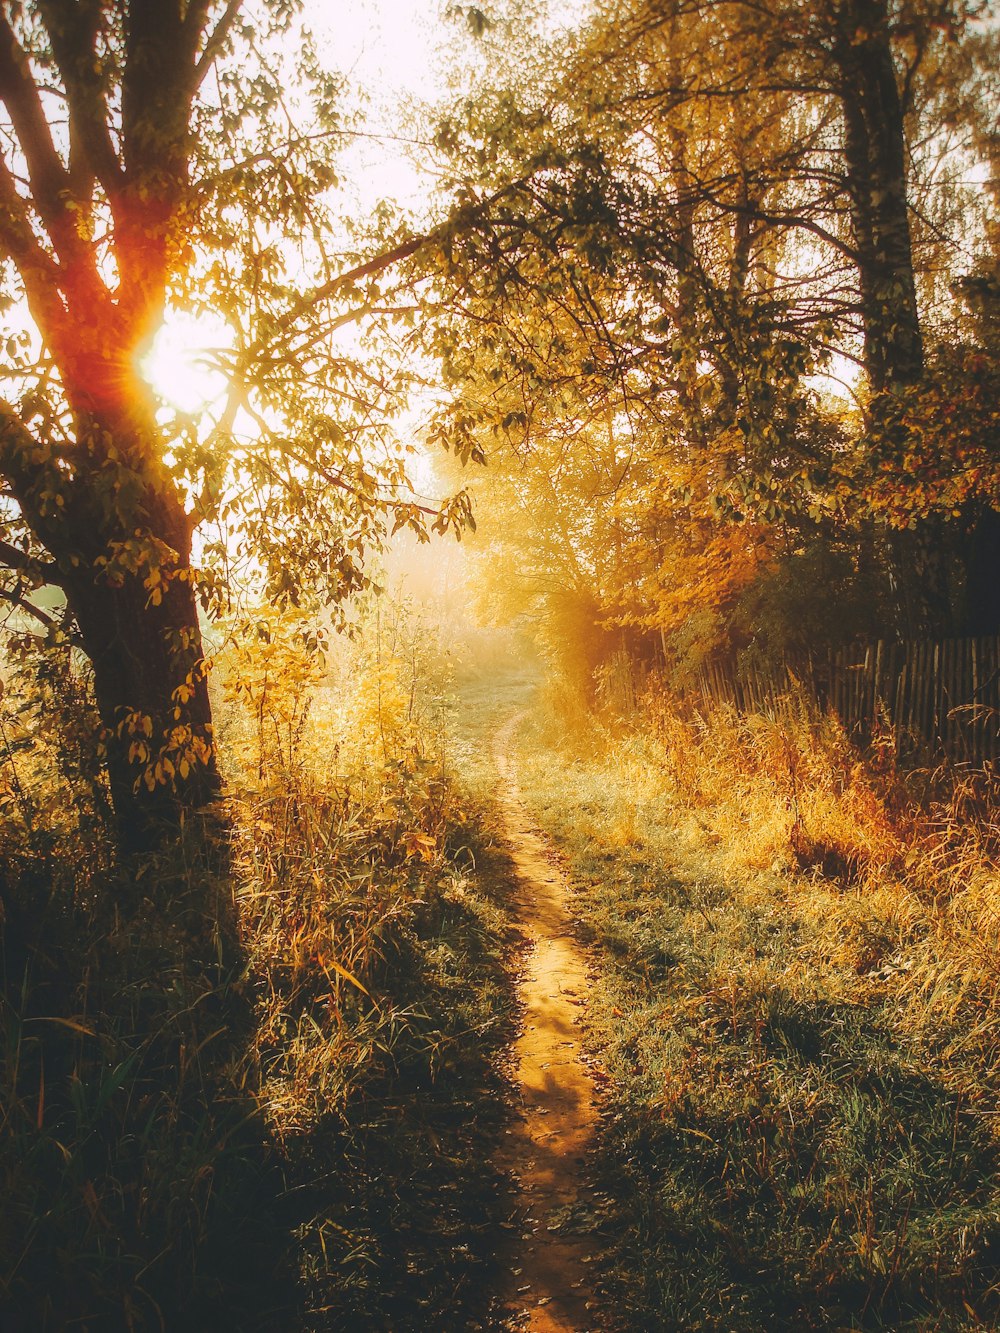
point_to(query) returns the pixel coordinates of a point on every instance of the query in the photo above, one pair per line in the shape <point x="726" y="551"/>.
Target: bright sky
<point x="392" y="51"/>
<point x="394" y="55"/>
<point x="405" y="51"/>
<point x="387" y="44"/>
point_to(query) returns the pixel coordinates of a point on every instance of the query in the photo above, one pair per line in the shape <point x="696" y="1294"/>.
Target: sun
<point x="182" y="365"/>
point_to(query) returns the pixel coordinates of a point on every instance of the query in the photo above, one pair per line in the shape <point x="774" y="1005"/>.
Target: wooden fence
<point x="939" y="697"/>
<point x="933" y="698"/>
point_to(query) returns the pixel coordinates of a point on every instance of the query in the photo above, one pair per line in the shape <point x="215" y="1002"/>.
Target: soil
<point x="550" y="1289"/>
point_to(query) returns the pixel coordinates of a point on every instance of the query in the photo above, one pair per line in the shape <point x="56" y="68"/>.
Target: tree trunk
<point x="96" y="201"/>
<point x="150" y="683"/>
<point x="981" y="594"/>
<point x="875" y="153"/>
<point x="918" y="574"/>
<point x="875" y="156"/>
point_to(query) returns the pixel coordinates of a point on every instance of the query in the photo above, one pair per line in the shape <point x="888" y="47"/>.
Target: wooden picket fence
<point x="933" y="698"/>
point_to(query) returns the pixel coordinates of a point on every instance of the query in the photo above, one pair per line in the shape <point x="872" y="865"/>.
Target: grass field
<point x="257" y="1085"/>
<point x="800" y="1113"/>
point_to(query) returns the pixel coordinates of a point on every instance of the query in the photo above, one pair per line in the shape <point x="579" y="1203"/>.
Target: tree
<point x="719" y="198"/>
<point x="634" y="280"/>
<point x="149" y="156"/>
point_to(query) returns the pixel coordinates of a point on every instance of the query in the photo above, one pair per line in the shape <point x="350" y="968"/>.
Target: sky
<point x="393" y="51"/>
<point x="390" y="54"/>
<point x="403" y="52"/>
<point x="394" y="55"/>
<point x="382" y="43"/>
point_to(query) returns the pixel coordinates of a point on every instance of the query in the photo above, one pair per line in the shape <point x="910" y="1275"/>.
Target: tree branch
<point x="215" y="42"/>
<point x="329" y="289"/>
<point x="14" y="558"/>
<point x="39" y="271"/>
<point x="73" y="27"/>
<point x="50" y="181"/>
<point x="405" y="250"/>
<point x="17" y="600"/>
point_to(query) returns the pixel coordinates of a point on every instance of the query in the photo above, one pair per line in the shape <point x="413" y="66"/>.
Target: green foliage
<point x="810" y="601"/>
<point x="935" y="452"/>
<point x="53" y="784"/>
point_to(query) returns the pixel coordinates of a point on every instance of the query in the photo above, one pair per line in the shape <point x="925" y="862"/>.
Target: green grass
<point x="782" y="1145"/>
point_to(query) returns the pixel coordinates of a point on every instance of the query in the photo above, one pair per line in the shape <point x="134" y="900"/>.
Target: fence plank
<point x="935" y="697"/>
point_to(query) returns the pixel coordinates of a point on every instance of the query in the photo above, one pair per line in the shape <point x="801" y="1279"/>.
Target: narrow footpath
<point x="550" y="1290"/>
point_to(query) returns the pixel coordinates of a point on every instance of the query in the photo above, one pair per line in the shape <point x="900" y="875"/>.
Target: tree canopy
<point x="154" y="157"/>
<point x="726" y="208"/>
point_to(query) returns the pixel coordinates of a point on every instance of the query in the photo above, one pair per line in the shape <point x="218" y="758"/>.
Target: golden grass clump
<point x="237" y="1080"/>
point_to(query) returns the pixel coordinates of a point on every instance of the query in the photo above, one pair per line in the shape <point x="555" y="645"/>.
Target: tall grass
<point x="253" y="1085"/>
<point x="799" y="1017"/>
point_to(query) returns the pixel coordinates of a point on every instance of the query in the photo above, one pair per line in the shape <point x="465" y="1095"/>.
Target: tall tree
<point x="85" y="470"/>
<point x="149" y="157"/>
<point x="719" y="200"/>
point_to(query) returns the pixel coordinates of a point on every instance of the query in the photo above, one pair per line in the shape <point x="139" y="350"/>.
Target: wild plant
<point x="237" y="1078"/>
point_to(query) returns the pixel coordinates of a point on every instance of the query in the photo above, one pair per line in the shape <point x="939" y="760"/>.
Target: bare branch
<point x="215" y="42"/>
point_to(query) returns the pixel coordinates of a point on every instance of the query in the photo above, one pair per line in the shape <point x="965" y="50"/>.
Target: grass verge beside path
<point x="798" y="1124"/>
<point x="258" y="1088"/>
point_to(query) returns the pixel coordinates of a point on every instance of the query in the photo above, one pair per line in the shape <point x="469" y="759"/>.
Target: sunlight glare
<point x="182" y="367"/>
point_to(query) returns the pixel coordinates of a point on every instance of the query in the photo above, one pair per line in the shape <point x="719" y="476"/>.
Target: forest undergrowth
<point x="259" y="1084"/>
<point x="255" y="1085"/>
<point x="798" y="1011"/>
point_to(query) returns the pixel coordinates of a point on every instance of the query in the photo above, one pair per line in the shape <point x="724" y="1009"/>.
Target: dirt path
<point x="550" y="1293"/>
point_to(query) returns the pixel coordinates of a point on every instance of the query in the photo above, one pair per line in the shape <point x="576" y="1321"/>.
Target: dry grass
<point x="254" y="1085"/>
<point x="800" y="1015"/>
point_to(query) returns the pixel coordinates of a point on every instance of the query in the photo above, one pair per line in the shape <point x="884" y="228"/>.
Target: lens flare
<point x="182" y="365"/>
